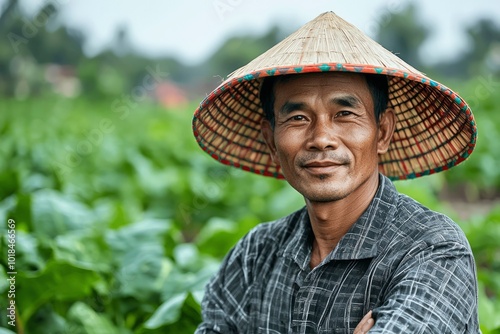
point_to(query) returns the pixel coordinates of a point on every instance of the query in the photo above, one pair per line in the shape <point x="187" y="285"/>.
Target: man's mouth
<point x="322" y="166"/>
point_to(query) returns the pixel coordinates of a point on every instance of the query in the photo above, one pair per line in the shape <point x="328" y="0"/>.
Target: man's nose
<point x="322" y="136"/>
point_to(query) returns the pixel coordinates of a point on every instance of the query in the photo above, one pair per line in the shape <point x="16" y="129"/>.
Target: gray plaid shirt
<point x="413" y="267"/>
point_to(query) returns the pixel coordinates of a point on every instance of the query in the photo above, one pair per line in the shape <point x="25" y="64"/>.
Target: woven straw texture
<point x="435" y="128"/>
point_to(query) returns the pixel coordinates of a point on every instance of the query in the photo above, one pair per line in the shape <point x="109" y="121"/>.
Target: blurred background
<point x="120" y="218"/>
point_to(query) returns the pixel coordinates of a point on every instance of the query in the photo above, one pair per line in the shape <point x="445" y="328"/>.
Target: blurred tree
<point x="34" y="41"/>
<point x="34" y="44"/>
<point x="6" y="10"/>
<point x="32" y="37"/>
<point x="239" y="50"/>
<point x="484" y="36"/>
<point x="403" y="34"/>
<point x="234" y="53"/>
<point x="482" y="55"/>
<point x="122" y="43"/>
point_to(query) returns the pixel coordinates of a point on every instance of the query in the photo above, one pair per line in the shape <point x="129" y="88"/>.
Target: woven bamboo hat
<point x="435" y="128"/>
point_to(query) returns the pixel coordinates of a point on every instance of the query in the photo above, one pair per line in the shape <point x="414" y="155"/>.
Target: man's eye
<point x="343" y="113"/>
<point x="297" y="118"/>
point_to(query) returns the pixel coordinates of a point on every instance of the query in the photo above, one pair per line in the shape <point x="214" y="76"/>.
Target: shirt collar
<point x="360" y="242"/>
<point x="362" y="239"/>
<point x="298" y="246"/>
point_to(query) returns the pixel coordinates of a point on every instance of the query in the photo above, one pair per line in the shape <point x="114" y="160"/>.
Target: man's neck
<point x="330" y="221"/>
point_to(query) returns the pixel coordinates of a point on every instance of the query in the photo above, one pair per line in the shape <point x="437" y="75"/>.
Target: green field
<point x="121" y="218"/>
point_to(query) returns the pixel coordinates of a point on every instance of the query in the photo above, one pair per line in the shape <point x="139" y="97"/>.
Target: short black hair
<point x="377" y="85"/>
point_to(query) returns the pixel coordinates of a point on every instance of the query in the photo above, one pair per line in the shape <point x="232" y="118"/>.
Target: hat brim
<point x="435" y="128"/>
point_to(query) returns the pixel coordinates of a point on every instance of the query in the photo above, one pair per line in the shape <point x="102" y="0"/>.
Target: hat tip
<point x="329" y="14"/>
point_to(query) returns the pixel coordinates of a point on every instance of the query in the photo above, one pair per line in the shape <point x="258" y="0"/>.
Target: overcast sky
<point x="191" y="30"/>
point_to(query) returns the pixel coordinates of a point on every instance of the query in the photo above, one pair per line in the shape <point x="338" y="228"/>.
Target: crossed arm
<point x="433" y="291"/>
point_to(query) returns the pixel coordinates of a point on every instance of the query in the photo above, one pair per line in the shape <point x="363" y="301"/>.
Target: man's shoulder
<point x="417" y="221"/>
<point x="268" y="239"/>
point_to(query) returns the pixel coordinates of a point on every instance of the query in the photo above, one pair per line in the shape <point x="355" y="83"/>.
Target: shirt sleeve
<point x="226" y="294"/>
<point x="434" y="290"/>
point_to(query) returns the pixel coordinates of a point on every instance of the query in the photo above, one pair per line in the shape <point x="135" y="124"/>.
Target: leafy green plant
<point x="119" y="226"/>
<point x="480" y="174"/>
<point x="121" y="220"/>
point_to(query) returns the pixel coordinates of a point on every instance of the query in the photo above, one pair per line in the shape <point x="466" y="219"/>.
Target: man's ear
<point x="386" y="127"/>
<point x="268" y="134"/>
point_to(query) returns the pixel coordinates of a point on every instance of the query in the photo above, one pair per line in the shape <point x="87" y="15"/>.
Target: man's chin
<point x="324" y="198"/>
<point x="321" y="192"/>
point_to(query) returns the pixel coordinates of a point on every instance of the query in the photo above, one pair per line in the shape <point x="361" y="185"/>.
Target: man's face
<point x="326" y="138"/>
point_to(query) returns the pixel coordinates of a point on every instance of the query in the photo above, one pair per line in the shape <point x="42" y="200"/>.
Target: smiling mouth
<point x="322" y="167"/>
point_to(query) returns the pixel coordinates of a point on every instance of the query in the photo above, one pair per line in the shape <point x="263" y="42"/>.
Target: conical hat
<point x="435" y="128"/>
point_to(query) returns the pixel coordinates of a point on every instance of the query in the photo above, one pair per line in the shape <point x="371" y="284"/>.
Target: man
<point x="337" y="115"/>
